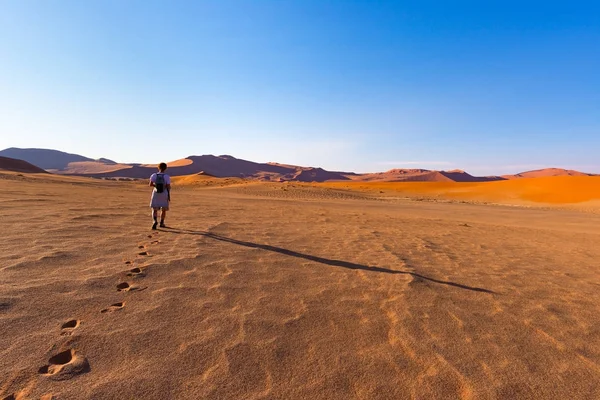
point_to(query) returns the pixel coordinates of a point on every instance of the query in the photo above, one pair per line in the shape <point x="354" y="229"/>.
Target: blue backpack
<point x="160" y="183"/>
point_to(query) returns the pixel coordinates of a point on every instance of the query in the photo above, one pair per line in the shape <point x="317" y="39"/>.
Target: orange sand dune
<point x="547" y="172"/>
<point x="177" y="163"/>
<point x="203" y="179"/>
<point x="549" y="190"/>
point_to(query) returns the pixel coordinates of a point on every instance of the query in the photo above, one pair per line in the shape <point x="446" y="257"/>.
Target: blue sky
<point x="489" y="87"/>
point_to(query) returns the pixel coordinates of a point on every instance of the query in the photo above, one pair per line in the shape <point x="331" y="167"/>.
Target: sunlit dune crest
<point x="177" y="163"/>
<point x="204" y="179"/>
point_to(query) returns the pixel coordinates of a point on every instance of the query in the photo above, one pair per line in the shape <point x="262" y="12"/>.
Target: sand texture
<point x="263" y="291"/>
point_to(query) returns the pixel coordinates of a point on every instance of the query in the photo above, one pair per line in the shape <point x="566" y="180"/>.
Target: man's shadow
<point x="326" y="261"/>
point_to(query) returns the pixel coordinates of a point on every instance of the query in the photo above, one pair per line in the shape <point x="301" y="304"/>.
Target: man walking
<point x="161" y="195"/>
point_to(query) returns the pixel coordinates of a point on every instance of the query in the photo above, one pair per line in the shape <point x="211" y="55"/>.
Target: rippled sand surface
<point x="263" y="293"/>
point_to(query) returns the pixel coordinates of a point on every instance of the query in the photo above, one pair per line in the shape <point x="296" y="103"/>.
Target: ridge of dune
<point x="458" y="175"/>
<point x="16" y="165"/>
<point x="106" y="161"/>
<point x="204" y="179"/>
<point x="316" y="175"/>
<point x="291" y="166"/>
<point x="432" y="176"/>
<point x="183" y="162"/>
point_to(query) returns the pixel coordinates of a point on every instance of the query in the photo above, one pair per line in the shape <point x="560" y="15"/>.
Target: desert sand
<point x="566" y="192"/>
<point x="298" y="291"/>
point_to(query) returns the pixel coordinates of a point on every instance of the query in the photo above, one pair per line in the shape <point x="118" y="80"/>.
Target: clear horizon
<point x="491" y="89"/>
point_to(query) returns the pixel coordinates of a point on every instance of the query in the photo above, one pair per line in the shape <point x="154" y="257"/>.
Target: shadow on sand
<point x="326" y="261"/>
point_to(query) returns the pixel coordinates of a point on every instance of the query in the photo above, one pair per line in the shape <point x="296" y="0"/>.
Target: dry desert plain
<point x="300" y="291"/>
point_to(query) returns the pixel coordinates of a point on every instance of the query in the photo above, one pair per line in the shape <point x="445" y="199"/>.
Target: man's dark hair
<point x="162" y="166"/>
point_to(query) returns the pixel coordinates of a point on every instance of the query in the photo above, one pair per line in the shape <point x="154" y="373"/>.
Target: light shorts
<point x="160" y="200"/>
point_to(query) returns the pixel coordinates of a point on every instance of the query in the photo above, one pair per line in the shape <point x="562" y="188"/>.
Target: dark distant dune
<point x="317" y="175"/>
<point x="14" y="165"/>
<point x="462" y="176"/>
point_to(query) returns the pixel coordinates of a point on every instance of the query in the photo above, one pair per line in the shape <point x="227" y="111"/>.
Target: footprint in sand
<point x="126" y="287"/>
<point x="141" y="246"/>
<point x="68" y="327"/>
<point x="136" y="273"/>
<point x="65" y="365"/>
<point x="19" y="396"/>
<point x="143" y="253"/>
<point x="114" y="307"/>
<point x="155" y="242"/>
<point x="128" y="262"/>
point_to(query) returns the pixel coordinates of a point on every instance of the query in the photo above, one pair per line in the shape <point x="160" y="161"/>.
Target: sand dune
<point x="203" y="179"/>
<point x="295" y="291"/>
<point x="14" y="165"/>
<point x="558" y="190"/>
<point x="391" y="175"/>
<point x="421" y="175"/>
<point x="547" y="172"/>
<point x="177" y="163"/>
<point x="91" y="168"/>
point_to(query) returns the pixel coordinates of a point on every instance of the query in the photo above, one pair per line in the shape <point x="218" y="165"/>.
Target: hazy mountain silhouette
<point x="44" y="158"/>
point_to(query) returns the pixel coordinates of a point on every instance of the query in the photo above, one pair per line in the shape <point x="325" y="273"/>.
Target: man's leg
<point x="155" y="217"/>
<point x="163" y="214"/>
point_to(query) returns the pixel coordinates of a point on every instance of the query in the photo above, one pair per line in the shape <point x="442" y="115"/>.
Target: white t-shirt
<point x="167" y="178"/>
